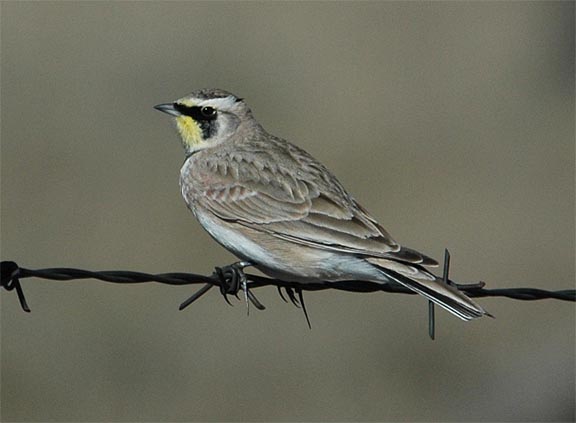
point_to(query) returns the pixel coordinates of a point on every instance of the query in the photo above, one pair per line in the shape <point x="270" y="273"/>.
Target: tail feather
<point x="446" y="296"/>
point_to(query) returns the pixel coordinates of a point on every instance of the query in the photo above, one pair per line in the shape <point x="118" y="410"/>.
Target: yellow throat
<point x="189" y="131"/>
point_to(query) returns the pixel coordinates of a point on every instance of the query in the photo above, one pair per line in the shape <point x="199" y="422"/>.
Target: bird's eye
<point x="200" y="114"/>
<point x="208" y="112"/>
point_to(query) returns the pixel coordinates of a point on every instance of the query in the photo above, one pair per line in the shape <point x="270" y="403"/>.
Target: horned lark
<point x="275" y="206"/>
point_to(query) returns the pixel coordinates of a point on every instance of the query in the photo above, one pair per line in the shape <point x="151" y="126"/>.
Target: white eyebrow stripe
<point x="224" y="103"/>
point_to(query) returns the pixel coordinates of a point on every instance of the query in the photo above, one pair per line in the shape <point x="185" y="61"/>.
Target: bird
<point x="279" y="209"/>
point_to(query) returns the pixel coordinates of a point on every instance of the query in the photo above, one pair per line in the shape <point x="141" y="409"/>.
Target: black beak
<point x="168" y="108"/>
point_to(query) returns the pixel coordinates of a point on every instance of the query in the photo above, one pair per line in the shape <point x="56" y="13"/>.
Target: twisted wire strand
<point x="11" y="274"/>
<point x="231" y="279"/>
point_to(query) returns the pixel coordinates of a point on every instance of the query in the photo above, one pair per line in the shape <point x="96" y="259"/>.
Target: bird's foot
<point x="232" y="279"/>
<point x="297" y="301"/>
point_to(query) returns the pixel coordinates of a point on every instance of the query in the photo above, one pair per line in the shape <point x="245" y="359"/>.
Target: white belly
<point x="234" y="240"/>
<point x="287" y="260"/>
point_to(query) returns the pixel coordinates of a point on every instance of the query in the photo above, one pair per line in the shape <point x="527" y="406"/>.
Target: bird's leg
<point x="244" y="282"/>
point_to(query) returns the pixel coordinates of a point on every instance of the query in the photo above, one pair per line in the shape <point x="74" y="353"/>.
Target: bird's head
<point x="207" y="117"/>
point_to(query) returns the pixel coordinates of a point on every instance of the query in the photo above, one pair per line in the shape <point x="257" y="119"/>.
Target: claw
<point x="301" y="297"/>
<point x="280" y="292"/>
<point x="292" y="297"/>
<point x="228" y="301"/>
<point x="255" y="301"/>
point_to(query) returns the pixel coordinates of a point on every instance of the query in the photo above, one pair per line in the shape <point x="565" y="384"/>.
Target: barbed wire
<point x="231" y="279"/>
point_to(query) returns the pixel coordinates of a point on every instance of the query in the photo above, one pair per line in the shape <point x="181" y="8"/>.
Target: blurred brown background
<point x="453" y="123"/>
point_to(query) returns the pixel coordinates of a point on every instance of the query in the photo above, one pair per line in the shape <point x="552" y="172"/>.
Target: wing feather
<point x="287" y="194"/>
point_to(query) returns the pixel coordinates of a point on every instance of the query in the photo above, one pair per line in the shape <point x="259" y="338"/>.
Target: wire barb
<point x="10" y="279"/>
<point x="195" y="296"/>
<point x="447" y="281"/>
<point x="431" y="321"/>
